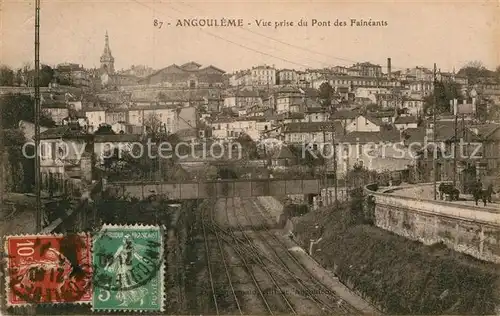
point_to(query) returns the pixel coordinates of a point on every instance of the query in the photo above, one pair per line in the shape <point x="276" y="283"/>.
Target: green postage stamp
<point x="128" y="268"/>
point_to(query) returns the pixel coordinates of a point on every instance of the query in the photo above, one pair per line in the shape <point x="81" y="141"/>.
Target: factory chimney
<point x="389" y="74"/>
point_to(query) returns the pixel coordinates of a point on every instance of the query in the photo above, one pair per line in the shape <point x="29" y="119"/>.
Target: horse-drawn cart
<point x="448" y="191"/>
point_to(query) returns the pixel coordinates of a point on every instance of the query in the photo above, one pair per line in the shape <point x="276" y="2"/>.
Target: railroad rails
<point x="251" y="264"/>
<point x="206" y="223"/>
<point x="324" y="295"/>
<point x="260" y="263"/>
<point x="310" y="287"/>
<point x="280" y="283"/>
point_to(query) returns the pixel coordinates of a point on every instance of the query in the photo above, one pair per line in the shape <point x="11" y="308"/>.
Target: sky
<point x="448" y="33"/>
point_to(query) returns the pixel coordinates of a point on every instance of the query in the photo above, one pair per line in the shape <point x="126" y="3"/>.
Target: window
<point x="43" y="150"/>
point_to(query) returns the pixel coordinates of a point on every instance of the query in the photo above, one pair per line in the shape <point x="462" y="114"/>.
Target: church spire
<point x="107" y="50"/>
<point x="107" y="60"/>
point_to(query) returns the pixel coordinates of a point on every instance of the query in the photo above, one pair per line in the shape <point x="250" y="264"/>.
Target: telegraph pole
<point x="455" y="112"/>
<point x="37" y="118"/>
<point x="434" y="156"/>
<point x="335" y="163"/>
<point x="325" y="178"/>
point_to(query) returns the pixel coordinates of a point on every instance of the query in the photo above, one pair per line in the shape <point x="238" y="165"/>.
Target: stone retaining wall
<point x="272" y="205"/>
<point x="466" y="229"/>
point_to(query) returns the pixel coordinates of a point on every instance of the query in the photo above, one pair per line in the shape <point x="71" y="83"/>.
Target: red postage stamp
<point x="48" y="269"/>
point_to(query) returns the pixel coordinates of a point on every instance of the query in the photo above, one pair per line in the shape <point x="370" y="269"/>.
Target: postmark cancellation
<point x="48" y="269"/>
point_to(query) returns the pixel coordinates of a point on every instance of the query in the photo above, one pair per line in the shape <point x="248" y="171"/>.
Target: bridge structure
<point x="21" y="90"/>
<point x="215" y="188"/>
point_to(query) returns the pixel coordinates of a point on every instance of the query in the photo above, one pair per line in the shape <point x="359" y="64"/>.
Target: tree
<point x="27" y="73"/>
<point x="153" y="124"/>
<point x="226" y="173"/>
<point x="104" y="130"/>
<point x="444" y="92"/>
<point x="127" y="164"/>
<point x="497" y="73"/>
<point x="16" y="107"/>
<point x="482" y="112"/>
<point x="248" y="146"/>
<point x="46" y="75"/>
<point x="373" y="107"/>
<point x="18" y="78"/>
<point x="6" y="76"/>
<point x="162" y="96"/>
<point x="474" y="71"/>
<point x="326" y="93"/>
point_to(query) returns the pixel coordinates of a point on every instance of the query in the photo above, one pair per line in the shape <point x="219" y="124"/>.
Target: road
<point x="427" y="193"/>
<point x="262" y="274"/>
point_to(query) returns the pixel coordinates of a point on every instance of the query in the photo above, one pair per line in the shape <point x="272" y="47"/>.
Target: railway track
<point x="261" y="263"/>
<point x="209" y="266"/>
<point x="345" y="308"/>
<point x="280" y="273"/>
<point x="305" y="288"/>
<point x="207" y="220"/>
<point x="241" y="252"/>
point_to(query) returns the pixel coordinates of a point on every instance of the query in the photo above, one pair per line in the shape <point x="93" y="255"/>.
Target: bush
<point x="294" y="210"/>
<point x="407" y="277"/>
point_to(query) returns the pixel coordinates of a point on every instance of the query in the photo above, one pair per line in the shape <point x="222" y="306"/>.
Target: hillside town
<point x="358" y="106"/>
<point x="351" y="189"/>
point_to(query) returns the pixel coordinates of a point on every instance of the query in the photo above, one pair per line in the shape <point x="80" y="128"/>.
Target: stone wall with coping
<point x="467" y="229"/>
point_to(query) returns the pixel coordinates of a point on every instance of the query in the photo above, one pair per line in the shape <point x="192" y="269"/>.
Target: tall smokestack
<point x="389" y="74"/>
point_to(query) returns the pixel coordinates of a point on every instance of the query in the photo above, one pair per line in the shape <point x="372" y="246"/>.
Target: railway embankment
<point x="398" y="275"/>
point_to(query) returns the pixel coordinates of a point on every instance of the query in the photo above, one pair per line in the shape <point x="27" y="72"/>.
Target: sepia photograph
<point x="284" y="157"/>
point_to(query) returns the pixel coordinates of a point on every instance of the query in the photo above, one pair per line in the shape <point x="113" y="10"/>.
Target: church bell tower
<point x="107" y="60"/>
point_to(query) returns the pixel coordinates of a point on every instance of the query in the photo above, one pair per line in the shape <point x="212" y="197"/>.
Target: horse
<point x="480" y="193"/>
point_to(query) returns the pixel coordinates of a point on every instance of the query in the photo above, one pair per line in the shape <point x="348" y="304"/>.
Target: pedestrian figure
<point x="476" y="191"/>
<point x="484" y="193"/>
<point x="480" y="193"/>
<point x="490" y="192"/>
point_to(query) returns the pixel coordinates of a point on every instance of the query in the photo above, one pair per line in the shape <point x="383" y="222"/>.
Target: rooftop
<point x="406" y="120"/>
<point x="67" y="131"/>
<point x="344" y="114"/>
<point x="311" y="127"/>
<point x="117" y="138"/>
<point x="370" y="137"/>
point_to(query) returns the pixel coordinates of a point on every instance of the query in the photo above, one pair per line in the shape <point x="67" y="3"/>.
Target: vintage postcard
<point x="176" y="157"/>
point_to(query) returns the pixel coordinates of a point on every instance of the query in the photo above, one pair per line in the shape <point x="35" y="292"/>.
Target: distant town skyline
<point x="417" y="34"/>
